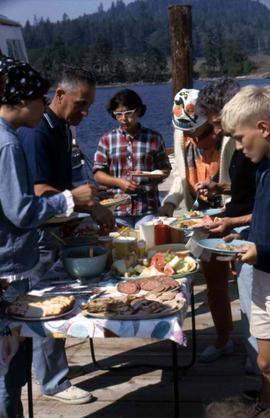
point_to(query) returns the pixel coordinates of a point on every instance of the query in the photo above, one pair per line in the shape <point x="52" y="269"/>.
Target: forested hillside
<point x="131" y="42"/>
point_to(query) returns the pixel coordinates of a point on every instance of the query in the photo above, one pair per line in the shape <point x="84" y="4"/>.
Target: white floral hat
<point x="184" y="113"/>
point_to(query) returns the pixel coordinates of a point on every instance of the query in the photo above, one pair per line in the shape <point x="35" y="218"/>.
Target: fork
<point x="196" y="203"/>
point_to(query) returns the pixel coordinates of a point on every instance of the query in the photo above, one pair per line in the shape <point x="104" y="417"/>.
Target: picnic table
<point x="75" y="324"/>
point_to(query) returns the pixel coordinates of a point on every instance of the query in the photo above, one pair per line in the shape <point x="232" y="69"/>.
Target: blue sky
<point x="21" y="10"/>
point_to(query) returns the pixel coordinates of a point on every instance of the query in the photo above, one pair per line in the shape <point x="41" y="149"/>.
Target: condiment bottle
<point x="162" y="234"/>
<point x="141" y="251"/>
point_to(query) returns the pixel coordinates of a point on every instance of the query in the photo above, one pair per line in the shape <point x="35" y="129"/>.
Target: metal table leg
<point x="29" y="351"/>
<point x="194" y="336"/>
<point x="175" y="379"/>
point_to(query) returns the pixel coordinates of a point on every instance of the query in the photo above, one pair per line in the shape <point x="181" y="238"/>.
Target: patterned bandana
<point x="22" y="81"/>
<point x="184" y="112"/>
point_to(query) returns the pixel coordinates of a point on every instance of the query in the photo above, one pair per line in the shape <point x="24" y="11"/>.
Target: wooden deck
<point x="148" y="393"/>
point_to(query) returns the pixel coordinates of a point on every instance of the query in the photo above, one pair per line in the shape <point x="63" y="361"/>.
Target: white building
<point x="11" y="39"/>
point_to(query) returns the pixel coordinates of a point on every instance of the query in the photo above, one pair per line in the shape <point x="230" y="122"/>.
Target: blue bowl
<point x="80" y="266"/>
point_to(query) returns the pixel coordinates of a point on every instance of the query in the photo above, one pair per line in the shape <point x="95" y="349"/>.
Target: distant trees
<point x="131" y="42"/>
<point x="223" y="56"/>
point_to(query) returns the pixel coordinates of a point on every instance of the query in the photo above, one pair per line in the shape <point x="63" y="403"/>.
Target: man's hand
<point x="207" y="188"/>
<point x="221" y="226"/>
<point x="84" y="195"/>
<point x="166" y="210"/>
<point x="104" y="217"/>
<point x="127" y="185"/>
<point x="250" y="256"/>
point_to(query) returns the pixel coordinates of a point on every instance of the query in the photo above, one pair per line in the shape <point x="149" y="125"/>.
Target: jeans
<point x="50" y="365"/>
<point x="245" y="278"/>
<point x="49" y="356"/>
<point x="134" y="221"/>
<point x="11" y="385"/>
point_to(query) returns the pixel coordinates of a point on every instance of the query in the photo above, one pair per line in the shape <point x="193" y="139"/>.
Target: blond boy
<point x="247" y="117"/>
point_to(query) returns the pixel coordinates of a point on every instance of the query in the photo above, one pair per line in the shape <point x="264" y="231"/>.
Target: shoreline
<point x="263" y="76"/>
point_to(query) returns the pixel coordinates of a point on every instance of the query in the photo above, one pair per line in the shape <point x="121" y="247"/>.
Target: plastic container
<point x="176" y="236"/>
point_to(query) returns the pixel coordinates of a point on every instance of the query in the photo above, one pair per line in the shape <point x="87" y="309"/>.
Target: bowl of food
<point x="84" y="262"/>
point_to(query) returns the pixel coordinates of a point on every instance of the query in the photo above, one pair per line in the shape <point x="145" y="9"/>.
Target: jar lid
<point x="105" y="238"/>
<point x="141" y="243"/>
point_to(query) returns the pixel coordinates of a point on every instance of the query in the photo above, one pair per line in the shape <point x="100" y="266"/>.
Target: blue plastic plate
<point x="213" y="212"/>
<point x="212" y="243"/>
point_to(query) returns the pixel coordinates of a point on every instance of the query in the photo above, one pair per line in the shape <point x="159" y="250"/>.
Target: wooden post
<point x="180" y="22"/>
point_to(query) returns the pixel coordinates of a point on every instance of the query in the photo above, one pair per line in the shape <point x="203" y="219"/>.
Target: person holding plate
<point x="21" y="212"/>
<point x="127" y="150"/>
<point x="238" y="211"/>
<point x="200" y="153"/>
<point x="247" y="117"/>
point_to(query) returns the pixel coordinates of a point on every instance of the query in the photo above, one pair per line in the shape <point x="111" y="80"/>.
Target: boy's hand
<point x="232" y="236"/>
<point x="250" y="256"/>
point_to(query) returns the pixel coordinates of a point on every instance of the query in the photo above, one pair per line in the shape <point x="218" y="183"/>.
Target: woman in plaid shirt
<point x="131" y="147"/>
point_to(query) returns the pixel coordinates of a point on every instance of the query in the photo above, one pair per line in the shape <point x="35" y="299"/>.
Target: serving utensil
<point x="58" y="238"/>
<point x="196" y="203"/>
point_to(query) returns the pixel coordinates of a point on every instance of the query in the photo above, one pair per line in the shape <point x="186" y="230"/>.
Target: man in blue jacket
<point x="48" y="152"/>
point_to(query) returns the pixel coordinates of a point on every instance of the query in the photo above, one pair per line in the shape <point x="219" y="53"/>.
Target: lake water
<point x="157" y="97"/>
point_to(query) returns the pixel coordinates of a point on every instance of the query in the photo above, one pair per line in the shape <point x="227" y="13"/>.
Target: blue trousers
<point x="50" y="365"/>
<point x="11" y="385"/>
<point x="49" y="356"/>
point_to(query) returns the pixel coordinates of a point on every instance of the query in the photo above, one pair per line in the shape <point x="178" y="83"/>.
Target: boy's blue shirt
<point x="260" y="225"/>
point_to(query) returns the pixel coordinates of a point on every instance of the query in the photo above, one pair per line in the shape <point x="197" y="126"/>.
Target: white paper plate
<point x="43" y="319"/>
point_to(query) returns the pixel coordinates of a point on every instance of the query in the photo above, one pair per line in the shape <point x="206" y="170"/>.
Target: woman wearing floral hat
<point x="201" y="154"/>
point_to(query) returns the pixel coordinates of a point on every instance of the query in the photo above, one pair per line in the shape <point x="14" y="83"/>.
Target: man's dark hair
<point x="213" y="97"/>
<point x="73" y="75"/>
<point x="128" y="98"/>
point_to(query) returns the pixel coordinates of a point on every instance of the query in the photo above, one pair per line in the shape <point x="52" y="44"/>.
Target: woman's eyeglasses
<point x="127" y="113"/>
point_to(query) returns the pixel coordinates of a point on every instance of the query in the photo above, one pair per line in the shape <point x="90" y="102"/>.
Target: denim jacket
<point x="20" y="211"/>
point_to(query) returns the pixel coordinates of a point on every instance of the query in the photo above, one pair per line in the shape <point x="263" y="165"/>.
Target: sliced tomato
<point x="168" y="270"/>
<point x="207" y="219"/>
<point x="158" y="261"/>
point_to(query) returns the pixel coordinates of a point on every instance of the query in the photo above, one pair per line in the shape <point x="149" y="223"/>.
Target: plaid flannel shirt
<point x="118" y="153"/>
